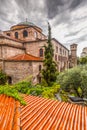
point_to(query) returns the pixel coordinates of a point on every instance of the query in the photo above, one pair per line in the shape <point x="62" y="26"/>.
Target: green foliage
<point x="64" y="96"/>
<point x="74" y="81"/>
<point x="11" y="91"/>
<point x="49" y="72"/>
<point x="50" y="92"/>
<point x="83" y="60"/>
<point x="23" y="87"/>
<point x="37" y="90"/>
<point x="3" y="77"/>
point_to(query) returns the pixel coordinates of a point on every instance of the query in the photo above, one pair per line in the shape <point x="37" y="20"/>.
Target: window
<point x="39" y="67"/>
<point x="8" y="34"/>
<point x="16" y="35"/>
<point x="65" y="53"/>
<point x="60" y="51"/>
<point x="55" y="57"/>
<point x="35" y="34"/>
<point x="41" y="52"/>
<point x="41" y="36"/>
<point x="25" y="33"/>
<point x="56" y="49"/>
<point x="9" y="79"/>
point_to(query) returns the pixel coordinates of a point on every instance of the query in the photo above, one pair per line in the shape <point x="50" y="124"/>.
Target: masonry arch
<point x="25" y="33"/>
<point x="9" y="80"/>
<point x="41" y="52"/>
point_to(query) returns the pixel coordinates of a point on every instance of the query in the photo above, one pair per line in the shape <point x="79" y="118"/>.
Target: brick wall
<point x="34" y="47"/>
<point x="8" y="51"/>
<point x="21" y="70"/>
<point x="33" y="34"/>
<point x="60" y="52"/>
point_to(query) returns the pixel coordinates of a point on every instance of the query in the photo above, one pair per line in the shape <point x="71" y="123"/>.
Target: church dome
<point x="25" y="24"/>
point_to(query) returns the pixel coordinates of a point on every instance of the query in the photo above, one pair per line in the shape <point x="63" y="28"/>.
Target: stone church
<point x="22" y="52"/>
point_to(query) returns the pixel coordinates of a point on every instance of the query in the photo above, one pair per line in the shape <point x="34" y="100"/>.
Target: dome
<point x="26" y="23"/>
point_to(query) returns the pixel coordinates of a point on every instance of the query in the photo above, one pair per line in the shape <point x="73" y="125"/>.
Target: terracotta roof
<point x="24" y="57"/>
<point x="41" y="114"/>
<point x="46" y="114"/>
<point x="9" y="113"/>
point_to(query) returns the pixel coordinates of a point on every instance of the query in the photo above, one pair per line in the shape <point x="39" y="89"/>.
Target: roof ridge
<point x="16" y="120"/>
<point x="24" y="56"/>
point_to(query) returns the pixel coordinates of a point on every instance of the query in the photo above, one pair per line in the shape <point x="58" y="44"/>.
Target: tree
<point x="83" y="60"/>
<point x="49" y="72"/>
<point x="74" y="81"/>
<point x="3" y="77"/>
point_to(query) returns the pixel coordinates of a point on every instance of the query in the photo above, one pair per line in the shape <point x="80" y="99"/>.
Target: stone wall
<point x="33" y="34"/>
<point x="60" y="52"/>
<point x="1" y="65"/>
<point x="34" y="47"/>
<point x="8" y="41"/>
<point x="61" y="55"/>
<point x="8" y="51"/>
<point x="36" y="71"/>
<point x="21" y="70"/>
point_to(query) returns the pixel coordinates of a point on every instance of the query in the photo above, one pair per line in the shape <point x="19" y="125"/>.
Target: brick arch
<point x="41" y="52"/>
<point x="16" y="35"/>
<point x="25" y="33"/>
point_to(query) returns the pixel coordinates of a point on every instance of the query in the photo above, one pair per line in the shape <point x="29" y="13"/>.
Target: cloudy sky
<point x="68" y="18"/>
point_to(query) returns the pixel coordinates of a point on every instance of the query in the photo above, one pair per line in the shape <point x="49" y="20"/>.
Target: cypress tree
<point x="49" y="72"/>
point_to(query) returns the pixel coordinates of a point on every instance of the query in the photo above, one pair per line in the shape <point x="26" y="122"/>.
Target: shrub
<point x="74" y="81"/>
<point x="23" y="86"/>
<point x="3" y="78"/>
<point x="11" y="91"/>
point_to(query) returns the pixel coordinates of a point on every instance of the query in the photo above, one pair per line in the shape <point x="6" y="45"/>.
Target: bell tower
<point x="73" y="49"/>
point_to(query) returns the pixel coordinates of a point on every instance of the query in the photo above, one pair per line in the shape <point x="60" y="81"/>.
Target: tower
<point x="73" y="57"/>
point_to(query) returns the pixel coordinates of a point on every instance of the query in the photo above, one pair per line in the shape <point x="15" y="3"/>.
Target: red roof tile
<point x="24" y="57"/>
<point x="9" y="117"/>
<point x="46" y="114"/>
<point x="41" y="114"/>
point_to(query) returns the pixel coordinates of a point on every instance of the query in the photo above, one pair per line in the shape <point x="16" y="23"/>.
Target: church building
<point x="22" y="52"/>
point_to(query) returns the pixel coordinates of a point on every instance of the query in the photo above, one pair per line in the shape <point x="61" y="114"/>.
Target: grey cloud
<point x="57" y="6"/>
<point x="52" y="7"/>
<point x="72" y="34"/>
<point x="78" y="40"/>
<point x="60" y="10"/>
<point x="75" y="3"/>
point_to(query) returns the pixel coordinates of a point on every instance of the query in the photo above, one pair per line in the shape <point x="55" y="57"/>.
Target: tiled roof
<point x="24" y="57"/>
<point x="46" y="114"/>
<point x="9" y="113"/>
<point x="41" y="114"/>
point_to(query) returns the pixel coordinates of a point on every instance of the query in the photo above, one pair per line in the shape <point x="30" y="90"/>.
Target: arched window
<point x="25" y="33"/>
<point x="35" y="34"/>
<point x="55" y="57"/>
<point x="16" y="35"/>
<point x="9" y="79"/>
<point x="39" y="67"/>
<point x="41" y="52"/>
<point x="8" y="34"/>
